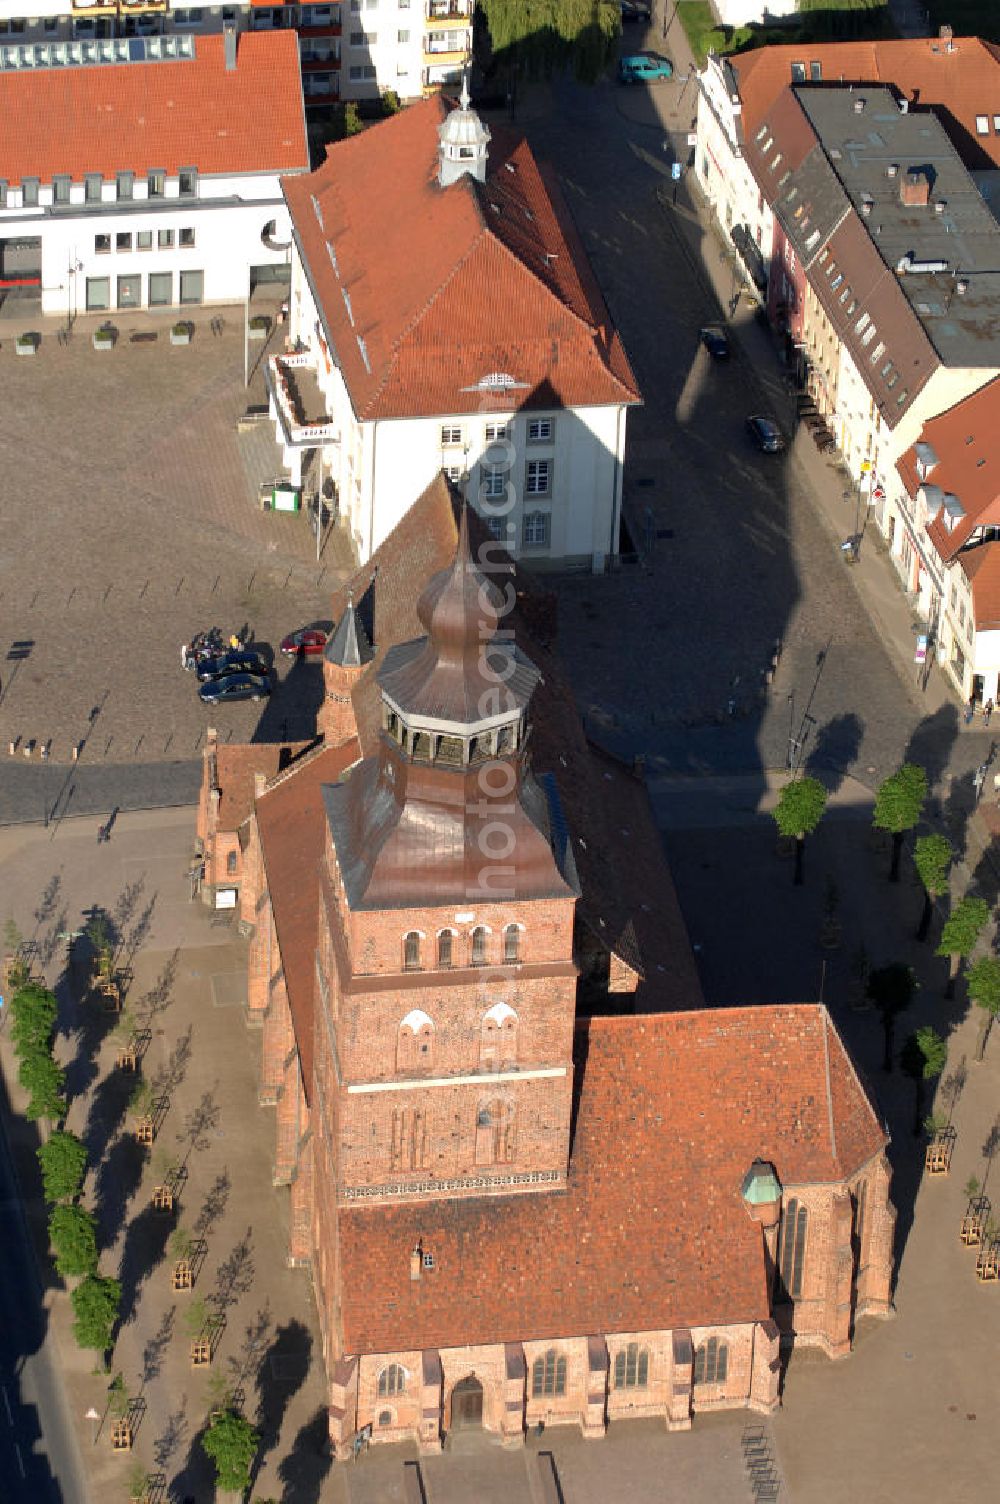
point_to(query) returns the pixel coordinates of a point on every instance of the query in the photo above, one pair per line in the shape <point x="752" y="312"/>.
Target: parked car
<point x="236" y="661"/>
<point x="644" y="67"/>
<point x="308" y="642"/>
<point x="636" y="10"/>
<point x="715" y="342"/>
<point x="766" y="434"/>
<point x="235" y="687"/>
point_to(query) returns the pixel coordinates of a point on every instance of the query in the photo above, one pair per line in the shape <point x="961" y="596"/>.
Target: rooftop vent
<point x="961" y="287"/>
<point x="908" y="265"/>
<point x="904" y="106"/>
<point x="892" y="169"/>
<point x="859" y="105"/>
<point x="866" y="207"/>
<point x="940" y="206"/>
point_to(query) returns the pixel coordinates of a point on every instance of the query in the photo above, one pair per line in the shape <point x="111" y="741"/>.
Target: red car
<point x="309" y="642"/>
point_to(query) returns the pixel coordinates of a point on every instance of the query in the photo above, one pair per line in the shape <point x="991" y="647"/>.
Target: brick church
<point x="533" y="1176"/>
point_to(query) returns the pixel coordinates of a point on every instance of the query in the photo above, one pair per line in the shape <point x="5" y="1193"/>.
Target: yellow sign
<point x="866" y="466"/>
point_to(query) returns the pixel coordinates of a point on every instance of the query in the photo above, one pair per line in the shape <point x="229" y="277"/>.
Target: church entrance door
<point x="467" y="1404"/>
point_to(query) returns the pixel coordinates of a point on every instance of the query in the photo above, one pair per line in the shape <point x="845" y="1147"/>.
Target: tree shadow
<point x="155" y="1349"/>
<point x="281" y="1371"/>
<point x="171" y="1438"/>
<point x="143" y="1251"/>
<point x="196" y="1134"/>
<point x="108" y="1104"/>
<point x="235" y="1275"/>
<point x="170" y="1076"/>
<point x="303" y="1469"/>
<point x="835" y="748"/>
<point x="115" y="1184"/>
<point x="48" y="903"/>
<point x="195" y="1482"/>
<point x="136" y="937"/>
<point x="214" y="1205"/>
<point x="930" y="747"/>
<point x="157" y="1000"/>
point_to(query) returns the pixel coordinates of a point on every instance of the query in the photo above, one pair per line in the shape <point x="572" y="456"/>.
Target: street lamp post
<point x="791" y="733"/>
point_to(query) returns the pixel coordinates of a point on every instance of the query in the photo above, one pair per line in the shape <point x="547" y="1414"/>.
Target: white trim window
<point x="535" y="530"/>
<point x="496" y="432"/>
<point x="540" y="430"/>
<point x="538" y="478"/>
<point x="451" y="435"/>
<point x="494" y="481"/>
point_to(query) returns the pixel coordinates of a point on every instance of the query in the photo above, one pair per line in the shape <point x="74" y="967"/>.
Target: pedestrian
<point x="185" y="653"/>
<point x="234" y="642"/>
<point x="978" y="779"/>
<point x="987" y="712"/>
<point x="970" y="710"/>
<point x="996" y="787"/>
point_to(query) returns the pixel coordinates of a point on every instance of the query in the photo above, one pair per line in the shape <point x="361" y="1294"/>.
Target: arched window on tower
<point x="498" y="1038"/>
<point x="495" y="1133"/>
<point x="479" y="945"/>
<point x="411" y="951"/>
<point x="512" y="944"/>
<point x="415" y="1041"/>
<point x="450" y="751"/>
<point x="505" y="740"/>
<point x="421" y="747"/>
<point x="445" y="946"/>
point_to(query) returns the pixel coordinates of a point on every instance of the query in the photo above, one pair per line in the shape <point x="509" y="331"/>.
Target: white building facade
<point x="98" y="222"/>
<point x="369" y="406"/>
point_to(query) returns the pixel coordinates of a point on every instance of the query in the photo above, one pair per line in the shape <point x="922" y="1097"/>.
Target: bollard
<point x="43" y="751"/>
<point x="29" y="747"/>
<point x="75" y="753"/>
<point x="12" y="748"/>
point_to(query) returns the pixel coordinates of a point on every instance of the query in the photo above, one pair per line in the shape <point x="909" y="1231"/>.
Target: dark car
<point x="236" y="661"/>
<point x="307" y="643"/>
<point x="715" y="343"/>
<point x="766" y="434"/>
<point x="636" y="10"/>
<point x="235" y="687"/>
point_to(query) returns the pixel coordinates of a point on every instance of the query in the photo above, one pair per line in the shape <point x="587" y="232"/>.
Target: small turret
<point x="345" y="657"/>
<point x="464" y="141"/>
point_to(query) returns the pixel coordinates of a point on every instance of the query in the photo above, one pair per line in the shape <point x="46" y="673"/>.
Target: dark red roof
<point x="130" y="117"/>
<point x="446" y="286"/>
<point x="963" y="440"/>
<point x="651" y="1232"/>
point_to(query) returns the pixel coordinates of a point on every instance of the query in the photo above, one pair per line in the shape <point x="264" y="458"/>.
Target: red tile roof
<point x="448" y="285"/>
<point x="130" y="117"/>
<point x="964" y="440"/>
<point x="961" y="84"/>
<point x="982" y="567"/>
<point x="292" y="827"/>
<point x="651" y="1232"/>
<point x="236" y="768"/>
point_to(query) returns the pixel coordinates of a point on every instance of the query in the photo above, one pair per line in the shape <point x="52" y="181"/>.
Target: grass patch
<point x="817" y="21"/>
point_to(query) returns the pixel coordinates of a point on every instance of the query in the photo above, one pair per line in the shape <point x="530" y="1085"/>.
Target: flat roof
<point x="871" y="144"/>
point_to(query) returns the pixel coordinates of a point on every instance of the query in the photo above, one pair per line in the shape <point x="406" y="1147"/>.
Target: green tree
<point x="922" y="1058"/>
<point x="798" y="812"/>
<point x="119" y="1398"/>
<point x="545" y="35"/>
<point x="140" y="1481"/>
<point x="73" y="1235"/>
<point x="63" y="1159"/>
<point x="96" y="1303"/>
<point x="390" y="102"/>
<point x="352" y="120"/>
<point x="231" y="1442"/>
<point x="33" y="1013"/>
<point x="959" y="934"/>
<point x="899" y="803"/>
<point x="43" y="1079"/>
<point x="891" y="989"/>
<point x="932" y="856"/>
<point x="983" y="982"/>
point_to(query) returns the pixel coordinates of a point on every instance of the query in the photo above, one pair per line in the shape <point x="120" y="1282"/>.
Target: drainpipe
<point x="371" y="509"/>
<point x="616" y="489"/>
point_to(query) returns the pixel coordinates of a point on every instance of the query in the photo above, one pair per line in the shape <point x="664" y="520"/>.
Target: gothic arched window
<point x="445" y="939"/>
<point x="711" y="1362"/>
<point x="632" y="1367"/>
<point x="479" y="945"/>
<point x="792" y="1252"/>
<point x="512" y="944"/>
<point x="392" y="1380"/>
<point x="548" y="1374"/>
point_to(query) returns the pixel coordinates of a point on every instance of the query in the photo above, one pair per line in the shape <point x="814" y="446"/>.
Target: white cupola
<point x="464" y="141"/>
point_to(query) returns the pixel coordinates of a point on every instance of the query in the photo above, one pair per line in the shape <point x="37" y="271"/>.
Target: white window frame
<point x="538" y="478"/>
<point x="451" y="436"/>
<point x="541" y="430"/>
<point x="531" y="522"/>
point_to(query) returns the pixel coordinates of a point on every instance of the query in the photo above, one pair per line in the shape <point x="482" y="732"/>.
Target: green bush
<point x="43" y="1079"/>
<point x="63" y="1159"/>
<point x="33" y="1012"/>
<point x="96" y="1303"/>
<point x="231" y="1442"/>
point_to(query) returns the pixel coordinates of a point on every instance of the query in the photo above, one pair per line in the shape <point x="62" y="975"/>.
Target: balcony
<point x="297" y="401"/>
<point x="137" y="7"/>
<point x="94" y="7"/>
<point x="445" y="14"/>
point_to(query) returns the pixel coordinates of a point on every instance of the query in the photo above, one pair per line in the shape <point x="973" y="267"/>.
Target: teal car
<point x="644" y="67"/>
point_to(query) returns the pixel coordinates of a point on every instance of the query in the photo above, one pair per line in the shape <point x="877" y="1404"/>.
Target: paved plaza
<point x="130" y="521"/>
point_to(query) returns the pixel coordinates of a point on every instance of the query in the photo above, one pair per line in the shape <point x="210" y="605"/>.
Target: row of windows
<point x="143" y="240"/>
<point x="497" y="1040"/>
<point x="537" y="479"/>
<point x="536" y="528"/>
<point x="94" y="184"/>
<point x="494" y="1136"/>
<point x="159" y="290"/>
<point x="538" y="431"/>
<point x="631" y="1370"/>
<point x="478" y="944"/>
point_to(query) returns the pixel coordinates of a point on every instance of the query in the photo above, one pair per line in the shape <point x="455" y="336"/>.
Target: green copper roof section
<point x="761" y="1185"/>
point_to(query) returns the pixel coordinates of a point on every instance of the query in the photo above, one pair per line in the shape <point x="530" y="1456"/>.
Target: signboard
<point x="920" y="656"/>
<point x="692" y="139"/>
<point x="866" y="466"/>
<point x="225" y="898"/>
<point x="878" y="493"/>
<point x="675" y="171"/>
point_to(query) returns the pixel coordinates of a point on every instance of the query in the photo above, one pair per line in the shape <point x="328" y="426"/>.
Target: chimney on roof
<point x="229" y="45"/>
<point x="914" y="189"/>
<point x="945" y="33"/>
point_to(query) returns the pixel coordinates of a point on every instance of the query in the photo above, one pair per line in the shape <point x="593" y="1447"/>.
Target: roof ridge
<point x="294" y="765"/>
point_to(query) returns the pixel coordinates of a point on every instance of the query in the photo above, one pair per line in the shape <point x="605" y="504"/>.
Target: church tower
<point x="447" y="987"/>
